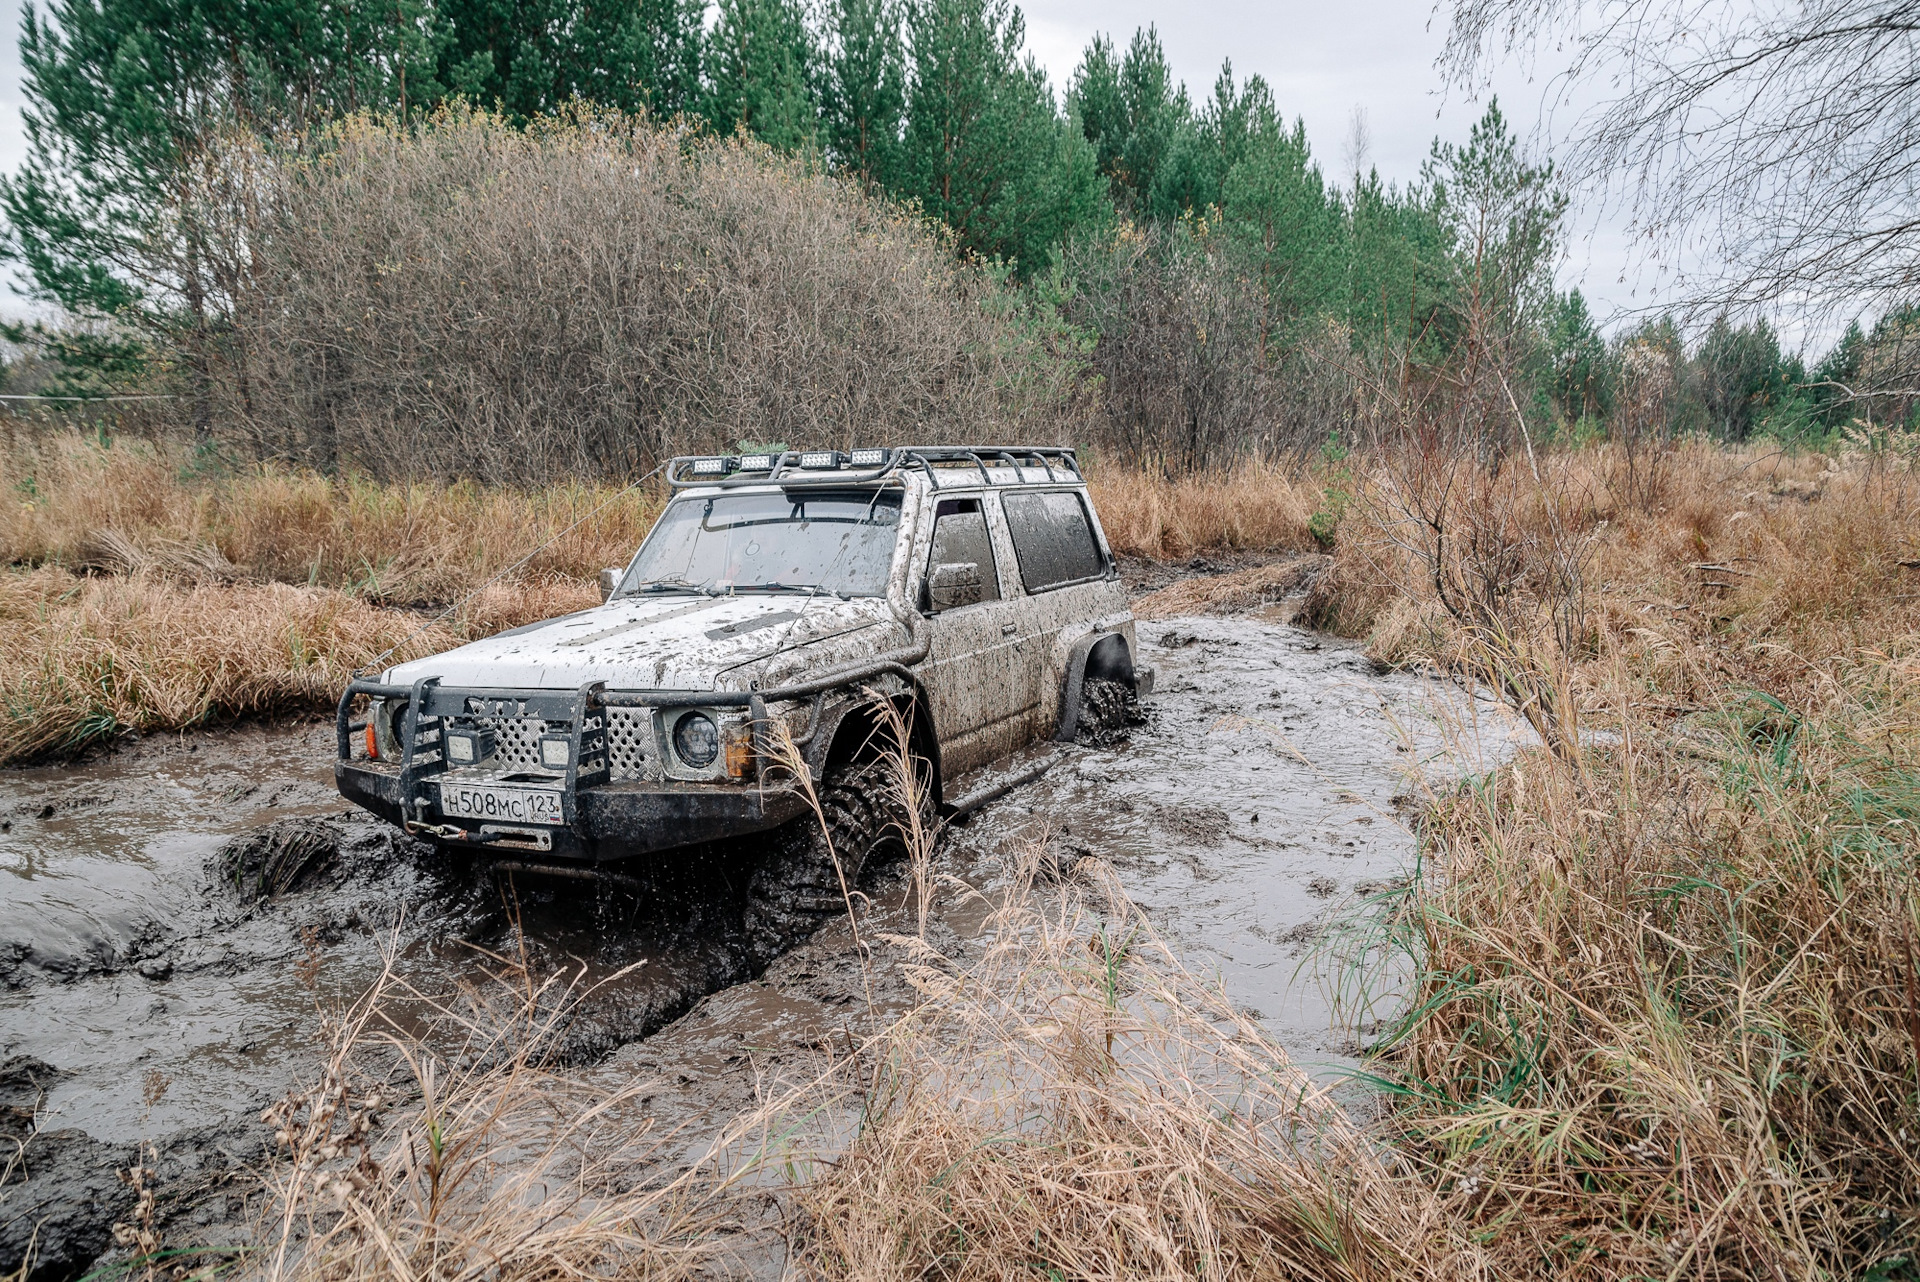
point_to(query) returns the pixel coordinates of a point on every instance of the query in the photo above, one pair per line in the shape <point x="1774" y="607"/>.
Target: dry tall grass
<point x="259" y="589"/>
<point x="91" y="658"/>
<point x="135" y="504"/>
<point x="1075" y="1105"/>
<point x="441" y="1141"/>
<point x="1665" y="1021"/>
<point x="1254" y="506"/>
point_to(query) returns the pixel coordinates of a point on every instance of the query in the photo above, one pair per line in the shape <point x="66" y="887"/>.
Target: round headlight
<point x="696" y="740"/>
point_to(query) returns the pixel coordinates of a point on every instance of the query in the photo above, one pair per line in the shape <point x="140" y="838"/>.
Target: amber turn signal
<point x="373" y="744"/>
<point x="739" y="753"/>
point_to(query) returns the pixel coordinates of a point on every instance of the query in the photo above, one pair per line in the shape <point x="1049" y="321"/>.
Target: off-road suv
<point x="780" y="598"/>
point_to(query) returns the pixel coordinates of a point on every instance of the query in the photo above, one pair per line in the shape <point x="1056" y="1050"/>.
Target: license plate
<point x="513" y="805"/>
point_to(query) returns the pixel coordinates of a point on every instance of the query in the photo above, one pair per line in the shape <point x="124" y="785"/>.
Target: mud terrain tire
<point x="1109" y="710"/>
<point x="796" y="889"/>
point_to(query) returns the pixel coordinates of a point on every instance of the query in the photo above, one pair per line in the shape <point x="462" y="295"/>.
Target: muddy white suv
<point x="971" y="588"/>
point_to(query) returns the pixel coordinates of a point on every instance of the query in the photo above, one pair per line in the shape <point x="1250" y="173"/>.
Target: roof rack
<point x="1056" y="463"/>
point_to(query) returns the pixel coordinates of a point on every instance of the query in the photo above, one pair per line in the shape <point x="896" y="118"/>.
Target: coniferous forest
<point x="217" y="193"/>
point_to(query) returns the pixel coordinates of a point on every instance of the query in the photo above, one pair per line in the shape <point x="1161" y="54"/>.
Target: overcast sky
<point x="1324" y="60"/>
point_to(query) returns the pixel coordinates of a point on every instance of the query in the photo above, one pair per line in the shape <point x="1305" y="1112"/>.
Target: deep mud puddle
<point x="1265" y="801"/>
<point x="150" y="990"/>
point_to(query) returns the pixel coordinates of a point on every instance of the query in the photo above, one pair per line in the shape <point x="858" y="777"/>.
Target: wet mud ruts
<point x="173" y="916"/>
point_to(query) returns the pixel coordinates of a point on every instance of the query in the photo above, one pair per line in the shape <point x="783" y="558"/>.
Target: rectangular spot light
<point x="870" y="458"/>
<point x="820" y="458"/>
<point x="556" y="751"/>
<point x="468" y="747"/>
<point x="756" y="462"/>
<point x="710" y="466"/>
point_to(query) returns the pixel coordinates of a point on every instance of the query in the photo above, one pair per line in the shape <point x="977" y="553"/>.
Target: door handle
<point x="1008" y="629"/>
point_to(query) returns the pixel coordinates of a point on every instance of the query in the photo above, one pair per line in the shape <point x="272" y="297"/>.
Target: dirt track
<point x="147" y="997"/>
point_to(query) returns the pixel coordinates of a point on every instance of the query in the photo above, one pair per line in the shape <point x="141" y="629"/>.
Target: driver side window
<point x="960" y="539"/>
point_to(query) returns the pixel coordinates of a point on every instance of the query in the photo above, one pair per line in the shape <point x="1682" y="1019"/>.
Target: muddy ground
<point x="160" y="971"/>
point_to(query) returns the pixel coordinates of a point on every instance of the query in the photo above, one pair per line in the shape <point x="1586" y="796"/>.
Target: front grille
<point x="519" y="740"/>
<point x="629" y="735"/>
<point x="629" y="739"/>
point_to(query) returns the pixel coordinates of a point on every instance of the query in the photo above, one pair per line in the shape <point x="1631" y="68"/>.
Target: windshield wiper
<point x="669" y="585"/>
<point x="810" y="589"/>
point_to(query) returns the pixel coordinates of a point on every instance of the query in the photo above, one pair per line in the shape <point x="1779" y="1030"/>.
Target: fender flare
<point x="1100" y="654"/>
<point x="819" y="750"/>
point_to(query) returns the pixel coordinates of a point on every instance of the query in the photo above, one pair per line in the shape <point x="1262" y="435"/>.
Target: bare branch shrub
<point x="588" y="295"/>
<point x="1193" y="376"/>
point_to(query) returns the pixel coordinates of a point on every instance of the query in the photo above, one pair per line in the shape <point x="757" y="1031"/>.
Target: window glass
<point x="796" y="541"/>
<point x="960" y="536"/>
<point x="1053" y="538"/>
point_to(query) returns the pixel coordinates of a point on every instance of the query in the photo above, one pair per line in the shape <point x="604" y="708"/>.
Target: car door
<point x="1066" y="580"/>
<point x="982" y="673"/>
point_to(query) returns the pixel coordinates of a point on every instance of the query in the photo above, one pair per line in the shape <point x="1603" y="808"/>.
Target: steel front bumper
<point x="614" y="820"/>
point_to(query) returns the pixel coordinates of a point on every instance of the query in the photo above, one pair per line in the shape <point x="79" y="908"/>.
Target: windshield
<point x="795" y="541"/>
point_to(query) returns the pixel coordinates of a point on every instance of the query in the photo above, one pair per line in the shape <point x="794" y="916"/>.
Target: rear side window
<point x="960" y="535"/>
<point x="1053" y="539"/>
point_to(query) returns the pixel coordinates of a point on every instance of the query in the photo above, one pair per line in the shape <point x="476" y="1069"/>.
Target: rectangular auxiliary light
<point x="870" y="458"/>
<point x="556" y="750"/>
<point x="820" y="458"/>
<point x="756" y="462"/>
<point x="712" y="466"/>
<point x="468" y="747"/>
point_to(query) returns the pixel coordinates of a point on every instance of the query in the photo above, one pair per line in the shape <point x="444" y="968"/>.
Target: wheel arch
<point x="1104" y="656"/>
<point x="851" y="727"/>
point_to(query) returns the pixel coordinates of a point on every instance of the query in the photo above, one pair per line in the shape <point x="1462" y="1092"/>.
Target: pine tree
<point x="987" y="152"/>
<point x="1396" y="275"/>
<point x="1095" y="98"/>
<point x="125" y="96"/>
<point x="1576" y="358"/>
<point x="1136" y="118"/>
<point x="760" y="73"/>
<point x="864" y="95"/>
<point x="643" y="54"/>
<point x="1277" y="202"/>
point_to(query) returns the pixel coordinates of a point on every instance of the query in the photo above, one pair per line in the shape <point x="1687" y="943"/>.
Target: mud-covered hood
<point x="665" y="643"/>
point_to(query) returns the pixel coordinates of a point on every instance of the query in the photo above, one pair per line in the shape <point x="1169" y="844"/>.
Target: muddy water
<point x="152" y="1002"/>
<point x="1266" y="800"/>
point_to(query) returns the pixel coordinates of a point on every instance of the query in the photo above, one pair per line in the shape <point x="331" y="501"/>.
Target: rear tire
<point x="797" y="887"/>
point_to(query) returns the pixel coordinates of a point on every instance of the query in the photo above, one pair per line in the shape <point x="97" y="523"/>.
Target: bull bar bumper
<point x="602" y="819"/>
<point x="611" y="821"/>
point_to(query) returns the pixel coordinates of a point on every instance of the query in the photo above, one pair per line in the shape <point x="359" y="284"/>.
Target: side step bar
<point x="988" y="785"/>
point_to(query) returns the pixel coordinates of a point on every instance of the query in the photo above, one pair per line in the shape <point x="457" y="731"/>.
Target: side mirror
<point x="609" y="580"/>
<point x="954" y="584"/>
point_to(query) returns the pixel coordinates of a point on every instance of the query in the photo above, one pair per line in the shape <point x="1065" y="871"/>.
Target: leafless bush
<point x="1195" y="374"/>
<point x="1643" y="415"/>
<point x="585" y="296"/>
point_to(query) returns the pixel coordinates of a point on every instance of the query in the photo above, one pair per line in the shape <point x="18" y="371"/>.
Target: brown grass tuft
<point x="1261" y="507"/>
<point x="1075" y="1105"/>
<point x="136" y="506"/>
<point x="1230" y="593"/>
<point x="442" y="1141"/>
<point x="91" y="658"/>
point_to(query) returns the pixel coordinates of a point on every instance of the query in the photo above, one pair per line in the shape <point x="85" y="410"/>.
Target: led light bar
<point x="870" y="458"/>
<point x="756" y="462"/>
<point x="820" y="458"/>
<point x="712" y="466"/>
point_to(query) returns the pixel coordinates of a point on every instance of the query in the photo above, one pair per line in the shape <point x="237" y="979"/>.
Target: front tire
<point x="798" y="886"/>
